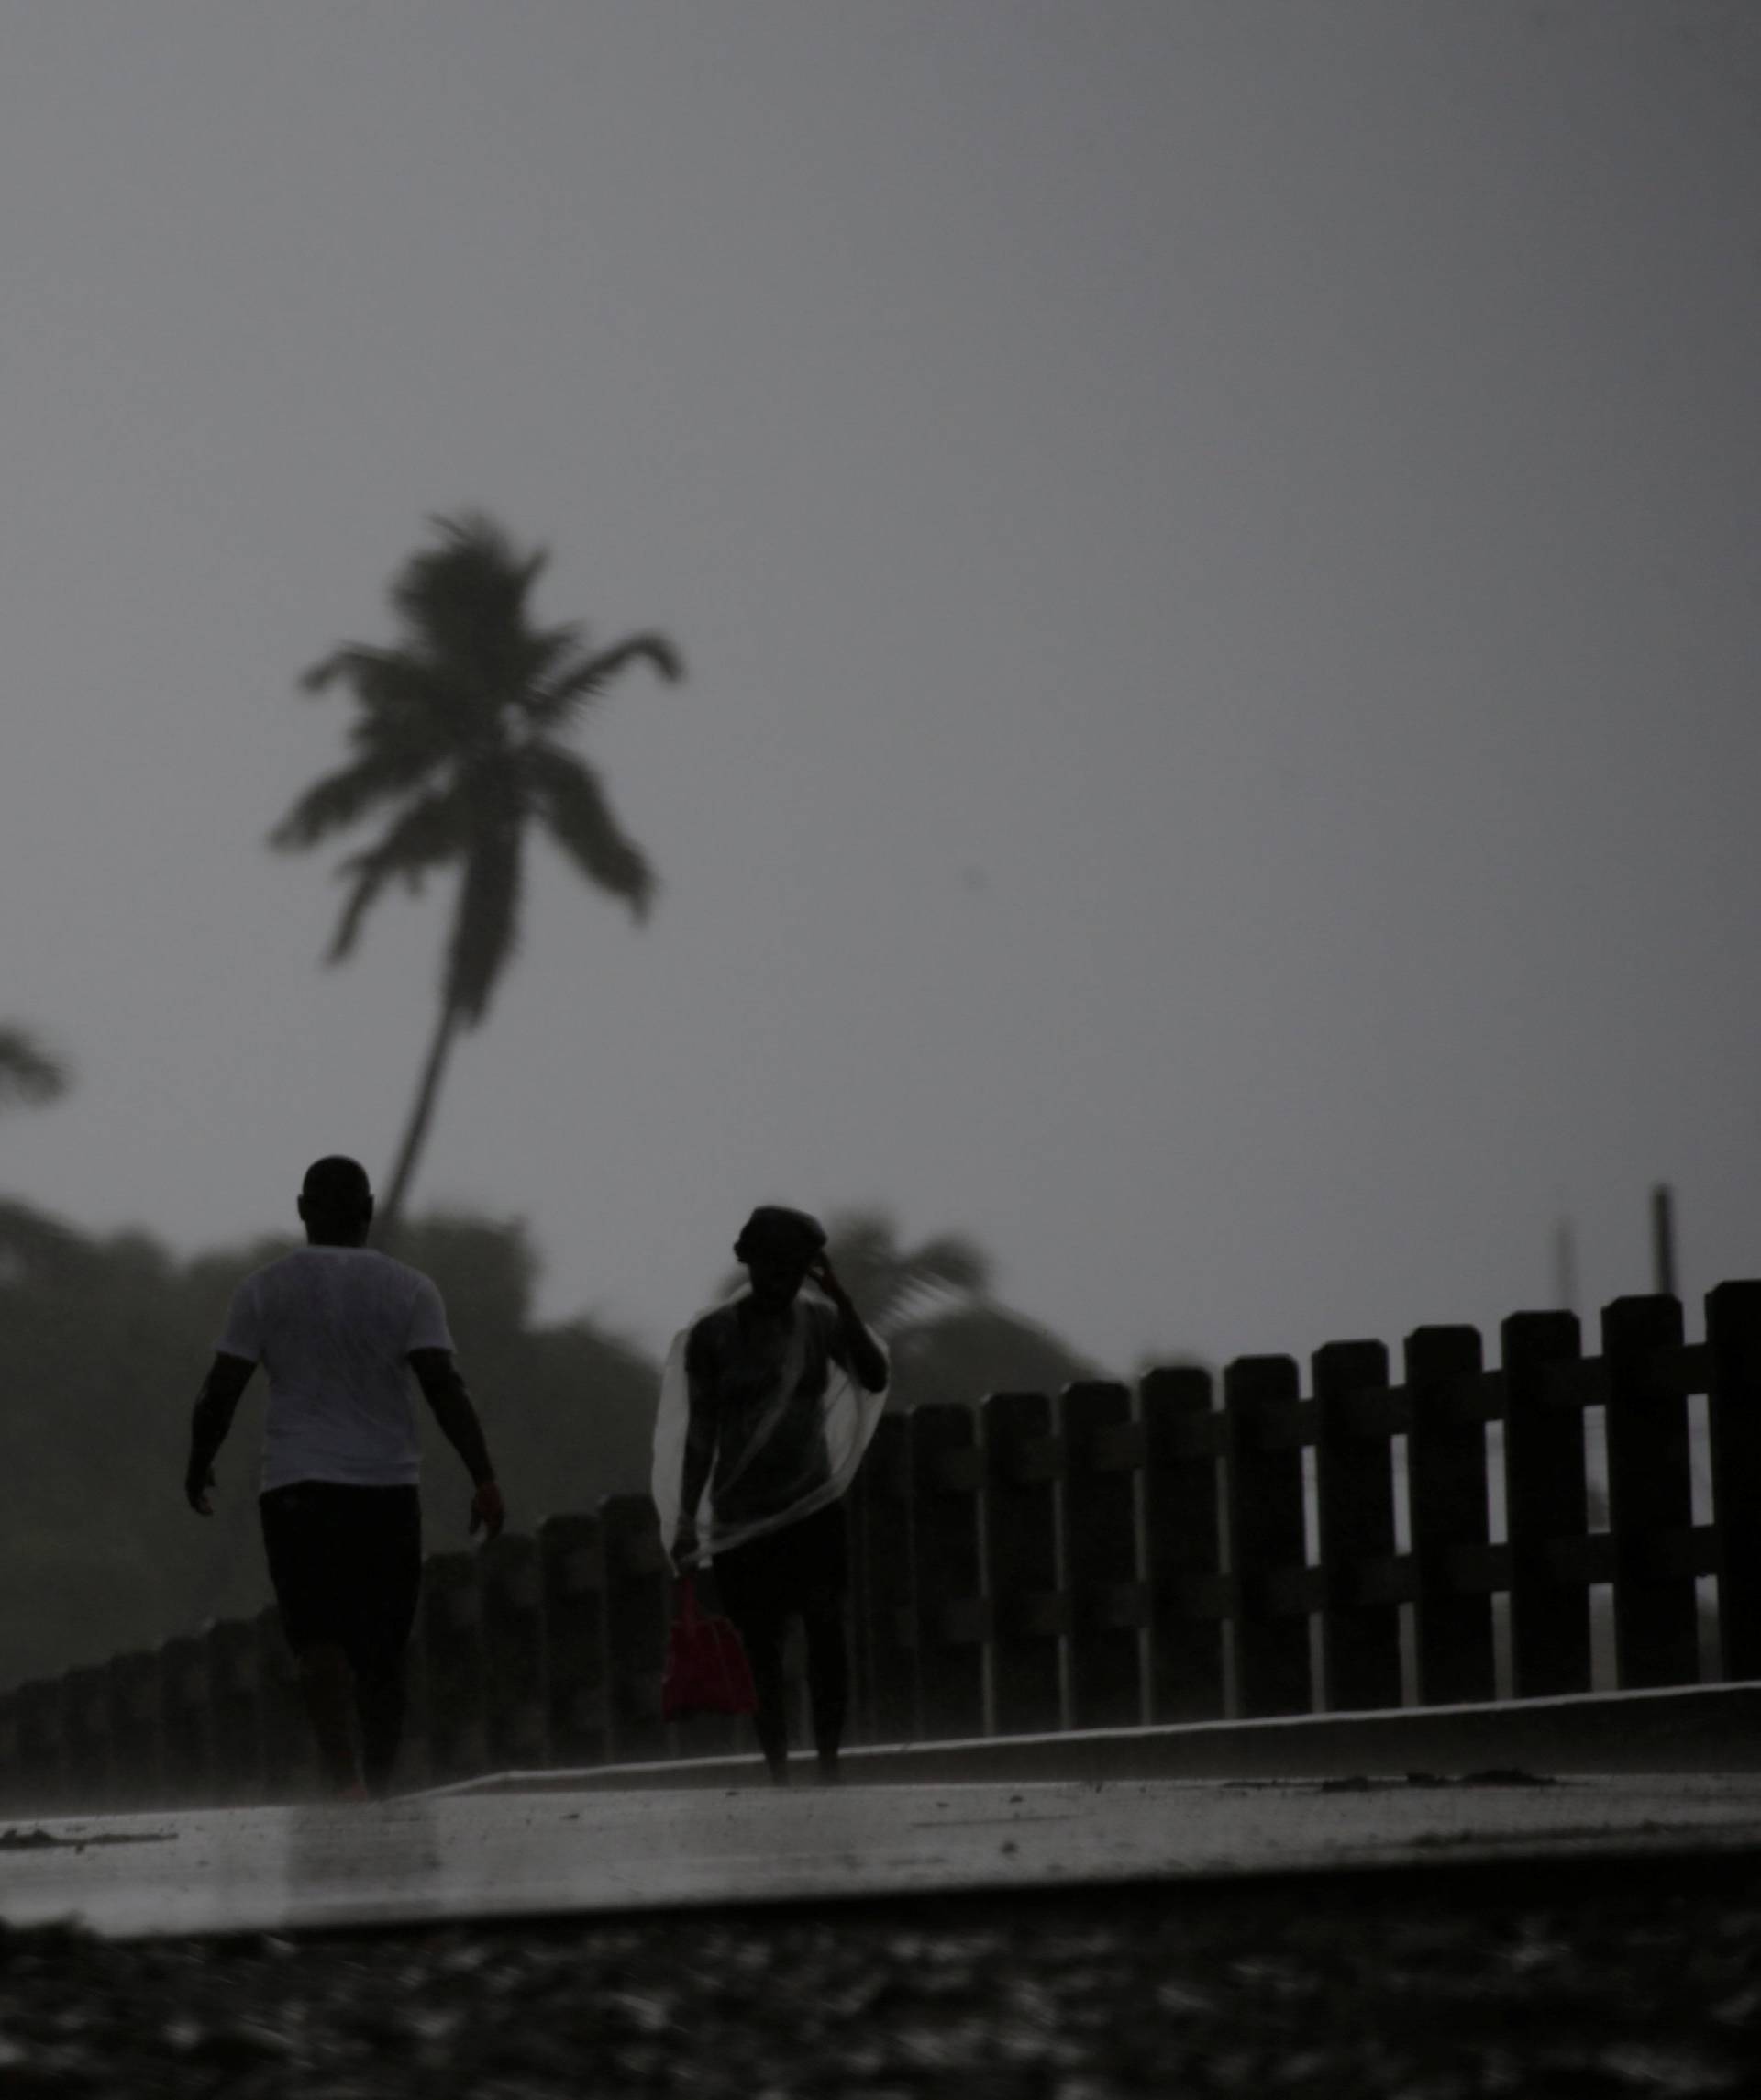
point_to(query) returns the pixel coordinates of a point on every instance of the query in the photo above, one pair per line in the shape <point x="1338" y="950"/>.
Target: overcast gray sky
<point x="1216" y="546"/>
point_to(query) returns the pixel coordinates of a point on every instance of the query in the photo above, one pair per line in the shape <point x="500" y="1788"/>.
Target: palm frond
<point x="485" y="928"/>
<point x="30" y="1073"/>
<point x="902" y="1284"/>
<point x="569" y="797"/>
<point x="341" y="799"/>
<point x="427" y="836"/>
<point x="411" y="702"/>
<point x="658" y="650"/>
<point x="566" y="693"/>
<point x="377" y="677"/>
<point x="950" y="1262"/>
<point x="548" y="654"/>
<point x="369" y="879"/>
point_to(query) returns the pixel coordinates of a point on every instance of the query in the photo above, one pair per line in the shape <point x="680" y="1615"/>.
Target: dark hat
<point x="773" y="1228"/>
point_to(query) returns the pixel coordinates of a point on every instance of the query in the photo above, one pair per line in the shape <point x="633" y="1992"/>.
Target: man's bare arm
<point x="444" y="1388"/>
<point x="209" y="1422"/>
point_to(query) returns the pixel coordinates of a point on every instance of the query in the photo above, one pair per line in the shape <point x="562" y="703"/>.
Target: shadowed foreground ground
<point x="1597" y="1978"/>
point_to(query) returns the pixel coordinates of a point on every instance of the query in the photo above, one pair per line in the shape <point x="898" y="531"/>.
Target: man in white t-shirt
<point x="340" y="1328"/>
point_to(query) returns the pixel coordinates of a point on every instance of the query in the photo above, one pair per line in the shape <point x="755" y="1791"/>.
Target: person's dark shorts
<point x="347" y="1565"/>
<point x="805" y="1567"/>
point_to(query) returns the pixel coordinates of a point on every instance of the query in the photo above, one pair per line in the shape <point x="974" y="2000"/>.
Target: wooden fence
<point x="1099" y="1559"/>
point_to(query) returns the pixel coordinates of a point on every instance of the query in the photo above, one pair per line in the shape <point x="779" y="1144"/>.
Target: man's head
<point x="777" y="1247"/>
<point x="336" y="1202"/>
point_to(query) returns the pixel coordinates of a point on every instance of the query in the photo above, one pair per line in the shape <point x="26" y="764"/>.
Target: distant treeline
<point x="104" y="1339"/>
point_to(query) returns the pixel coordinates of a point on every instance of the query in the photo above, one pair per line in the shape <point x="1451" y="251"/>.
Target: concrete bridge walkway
<point x="504" y="1851"/>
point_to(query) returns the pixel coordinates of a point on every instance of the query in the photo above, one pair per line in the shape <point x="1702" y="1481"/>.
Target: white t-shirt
<point x="333" y="1327"/>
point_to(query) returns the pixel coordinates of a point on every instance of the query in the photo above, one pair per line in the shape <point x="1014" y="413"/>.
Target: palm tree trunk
<point x="421" y="1115"/>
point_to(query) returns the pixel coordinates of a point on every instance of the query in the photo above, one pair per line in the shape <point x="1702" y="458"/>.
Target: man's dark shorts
<point x="347" y="1566"/>
<point x="802" y="1568"/>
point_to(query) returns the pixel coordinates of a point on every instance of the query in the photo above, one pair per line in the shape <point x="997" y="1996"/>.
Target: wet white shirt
<point x="333" y="1328"/>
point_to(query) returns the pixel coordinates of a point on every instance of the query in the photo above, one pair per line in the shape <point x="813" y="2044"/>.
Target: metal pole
<point x="1565" y="1266"/>
<point x="1662" y="1238"/>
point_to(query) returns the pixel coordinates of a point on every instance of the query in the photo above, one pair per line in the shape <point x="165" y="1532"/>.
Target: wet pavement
<point x="453" y="1857"/>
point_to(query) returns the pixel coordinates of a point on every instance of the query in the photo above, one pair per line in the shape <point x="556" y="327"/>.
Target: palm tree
<point x="458" y="740"/>
<point x="30" y="1076"/>
<point x="29" y="1073"/>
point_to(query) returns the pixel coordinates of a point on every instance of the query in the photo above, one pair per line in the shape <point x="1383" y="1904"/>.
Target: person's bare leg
<point x="761" y="1637"/>
<point x="379" y="1707"/>
<point x="829" y="1681"/>
<point x="327" y="1683"/>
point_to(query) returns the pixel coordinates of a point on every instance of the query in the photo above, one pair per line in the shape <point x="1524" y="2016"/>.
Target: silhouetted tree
<point x="30" y="1075"/>
<point x="29" y="1072"/>
<point x="107" y="1338"/>
<point x="457" y="738"/>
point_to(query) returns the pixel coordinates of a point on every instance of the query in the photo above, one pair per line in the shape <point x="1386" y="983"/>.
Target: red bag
<point x="707" y="1671"/>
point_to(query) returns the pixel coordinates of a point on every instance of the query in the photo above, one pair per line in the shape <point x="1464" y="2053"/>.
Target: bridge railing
<point x="1194" y="1549"/>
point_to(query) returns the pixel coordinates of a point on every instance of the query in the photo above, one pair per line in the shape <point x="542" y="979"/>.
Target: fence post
<point x="858" y="1725"/>
<point x="138" y="1743"/>
<point x="1360" y="1633"/>
<point x="1650" y="1496"/>
<point x="513" y="1641"/>
<point x="289" y="1751"/>
<point x="1734" y="1343"/>
<point x="41" y="1709"/>
<point x="572" y="1554"/>
<point x="945" y="1479"/>
<point x="638" y="1580"/>
<point x="235" y="1700"/>
<point x="12" y="1797"/>
<point x="91" y="1784"/>
<point x="1106" y="1608"/>
<point x="186" y="1718"/>
<point x="414" y="1765"/>
<point x="1446" y="1490"/>
<point x="452" y="1641"/>
<point x="886" y="1609"/>
<point x="1182" y="1544"/>
<point x="1265" y="1535"/>
<point x="1028" y="1614"/>
<point x="1546" y="1508"/>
